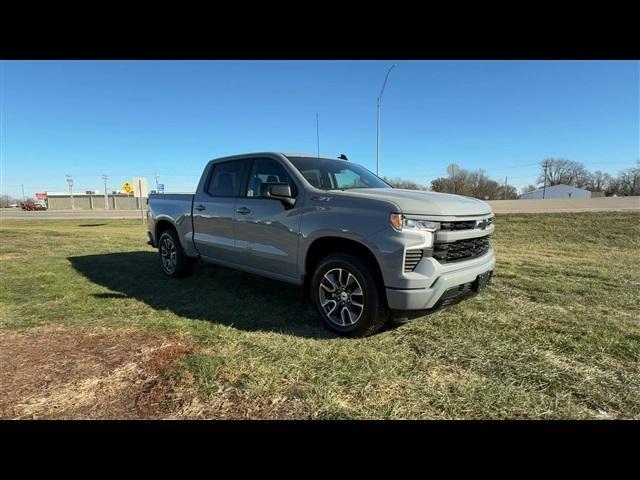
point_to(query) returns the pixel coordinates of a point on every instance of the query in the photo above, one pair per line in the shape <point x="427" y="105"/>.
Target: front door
<point x="214" y="210"/>
<point x="266" y="230"/>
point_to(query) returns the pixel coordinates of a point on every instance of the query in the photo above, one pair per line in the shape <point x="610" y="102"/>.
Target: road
<point x="13" y="213"/>
<point x="603" y="204"/>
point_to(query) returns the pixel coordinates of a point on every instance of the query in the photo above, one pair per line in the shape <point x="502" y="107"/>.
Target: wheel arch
<point x="324" y="246"/>
<point x="163" y="225"/>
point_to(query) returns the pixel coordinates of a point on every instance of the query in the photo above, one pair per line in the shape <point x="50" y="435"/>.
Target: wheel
<point x="173" y="261"/>
<point x="347" y="297"/>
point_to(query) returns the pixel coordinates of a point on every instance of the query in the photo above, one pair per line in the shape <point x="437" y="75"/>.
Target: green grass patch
<point x="557" y="335"/>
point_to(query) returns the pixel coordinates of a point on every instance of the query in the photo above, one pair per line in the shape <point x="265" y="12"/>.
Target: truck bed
<point x="175" y="207"/>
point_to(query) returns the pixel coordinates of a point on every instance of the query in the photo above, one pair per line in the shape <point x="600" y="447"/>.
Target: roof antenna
<point x="343" y="157"/>
<point x="318" y="133"/>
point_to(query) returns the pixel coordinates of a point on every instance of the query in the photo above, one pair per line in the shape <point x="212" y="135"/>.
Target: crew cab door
<point x="214" y="210"/>
<point x="266" y="229"/>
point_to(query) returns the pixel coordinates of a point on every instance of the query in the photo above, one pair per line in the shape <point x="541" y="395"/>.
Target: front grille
<point x="461" y="249"/>
<point x="411" y="259"/>
<point x="462" y="225"/>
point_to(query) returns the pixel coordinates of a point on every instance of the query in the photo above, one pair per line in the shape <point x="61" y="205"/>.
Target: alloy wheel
<point x="168" y="255"/>
<point x="341" y="297"/>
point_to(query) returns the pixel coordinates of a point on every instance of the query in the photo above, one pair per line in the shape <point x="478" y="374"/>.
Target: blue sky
<point x="138" y="118"/>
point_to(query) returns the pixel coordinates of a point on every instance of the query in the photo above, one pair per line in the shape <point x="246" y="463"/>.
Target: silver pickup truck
<point x="363" y="251"/>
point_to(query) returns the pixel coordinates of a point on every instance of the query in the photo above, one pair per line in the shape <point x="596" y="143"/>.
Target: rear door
<point x="214" y="210"/>
<point x="266" y="230"/>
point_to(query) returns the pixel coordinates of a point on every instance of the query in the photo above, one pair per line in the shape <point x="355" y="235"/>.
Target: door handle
<point x="200" y="208"/>
<point x="243" y="210"/>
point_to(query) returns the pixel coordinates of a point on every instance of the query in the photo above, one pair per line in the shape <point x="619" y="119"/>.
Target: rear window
<point x="225" y="179"/>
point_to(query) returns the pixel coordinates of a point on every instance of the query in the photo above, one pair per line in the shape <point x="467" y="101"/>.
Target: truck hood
<point x="419" y="202"/>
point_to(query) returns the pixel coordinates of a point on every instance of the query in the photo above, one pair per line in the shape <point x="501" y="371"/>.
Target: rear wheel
<point x="173" y="261"/>
<point x="347" y="297"/>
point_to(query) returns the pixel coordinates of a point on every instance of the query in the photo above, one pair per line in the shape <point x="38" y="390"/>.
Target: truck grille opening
<point x="411" y="259"/>
<point x="461" y="249"/>
<point x="462" y="225"/>
<point x="453" y="295"/>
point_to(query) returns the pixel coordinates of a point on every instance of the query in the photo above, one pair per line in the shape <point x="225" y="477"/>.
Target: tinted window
<point x="266" y="171"/>
<point x="225" y="179"/>
<point x="331" y="174"/>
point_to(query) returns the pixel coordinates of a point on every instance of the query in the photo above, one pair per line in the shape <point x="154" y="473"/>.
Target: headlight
<point x="401" y="222"/>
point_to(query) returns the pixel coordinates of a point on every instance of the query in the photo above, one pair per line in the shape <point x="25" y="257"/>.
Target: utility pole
<point x="140" y="200"/>
<point x="505" y="188"/>
<point x="318" y="133"/>
<point x="451" y="170"/>
<point x="24" y="198"/>
<point x="157" y="182"/>
<point x="106" y="197"/>
<point x="454" y="179"/>
<point x="70" y="182"/>
<point x="378" y="121"/>
<point x="544" y="187"/>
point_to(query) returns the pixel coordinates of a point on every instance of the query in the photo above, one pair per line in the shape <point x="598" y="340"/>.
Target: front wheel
<point x="347" y="296"/>
<point x="173" y="261"/>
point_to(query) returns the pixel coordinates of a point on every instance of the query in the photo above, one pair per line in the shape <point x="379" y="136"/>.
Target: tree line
<point x="553" y="171"/>
<point x="6" y="200"/>
<point x="557" y="171"/>
<point x="463" y="182"/>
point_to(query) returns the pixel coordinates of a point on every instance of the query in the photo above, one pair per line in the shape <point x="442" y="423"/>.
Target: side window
<point x="225" y="179"/>
<point x="313" y="177"/>
<point x="267" y="171"/>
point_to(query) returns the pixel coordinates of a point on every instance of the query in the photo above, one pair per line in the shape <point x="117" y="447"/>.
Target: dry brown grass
<point x="54" y="372"/>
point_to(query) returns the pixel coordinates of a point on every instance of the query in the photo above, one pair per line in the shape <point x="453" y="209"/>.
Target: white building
<point x="557" y="191"/>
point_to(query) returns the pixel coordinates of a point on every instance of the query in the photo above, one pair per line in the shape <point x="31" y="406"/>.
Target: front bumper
<point x="427" y="297"/>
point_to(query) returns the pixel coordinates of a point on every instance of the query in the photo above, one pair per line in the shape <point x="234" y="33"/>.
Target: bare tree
<point x="442" y="184"/>
<point x="510" y="194"/>
<point x="403" y="183"/>
<point x="6" y="200"/>
<point x="627" y="182"/>
<point x="556" y="171"/>
<point x="614" y="187"/>
<point x="529" y="188"/>
<point x="472" y="184"/>
<point x="630" y="180"/>
<point x="598" y="181"/>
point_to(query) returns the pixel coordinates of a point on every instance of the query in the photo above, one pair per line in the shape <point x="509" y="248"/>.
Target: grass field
<point x="90" y="328"/>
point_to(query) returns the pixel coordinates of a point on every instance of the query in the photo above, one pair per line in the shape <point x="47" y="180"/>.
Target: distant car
<point x="31" y="206"/>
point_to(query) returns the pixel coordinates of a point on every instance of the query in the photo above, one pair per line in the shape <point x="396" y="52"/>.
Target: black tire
<point x="374" y="312"/>
<point x="179" y="265"/>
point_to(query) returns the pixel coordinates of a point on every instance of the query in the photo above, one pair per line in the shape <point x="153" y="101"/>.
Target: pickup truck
<point x="364" y="252"/>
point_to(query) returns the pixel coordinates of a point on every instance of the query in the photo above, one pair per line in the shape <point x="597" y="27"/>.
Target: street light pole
<point x="378" y="121"/>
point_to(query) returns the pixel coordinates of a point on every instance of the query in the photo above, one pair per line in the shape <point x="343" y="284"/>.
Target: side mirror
<point x="282" y="192"/>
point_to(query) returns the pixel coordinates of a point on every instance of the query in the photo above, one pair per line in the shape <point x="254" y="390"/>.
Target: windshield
<point x="330" y="174"/>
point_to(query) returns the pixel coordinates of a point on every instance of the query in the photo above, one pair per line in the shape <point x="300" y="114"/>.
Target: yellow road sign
<point x="127" y="187"/>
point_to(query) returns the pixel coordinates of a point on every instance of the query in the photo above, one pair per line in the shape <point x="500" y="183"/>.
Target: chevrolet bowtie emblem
<point x="482" y="224"/>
